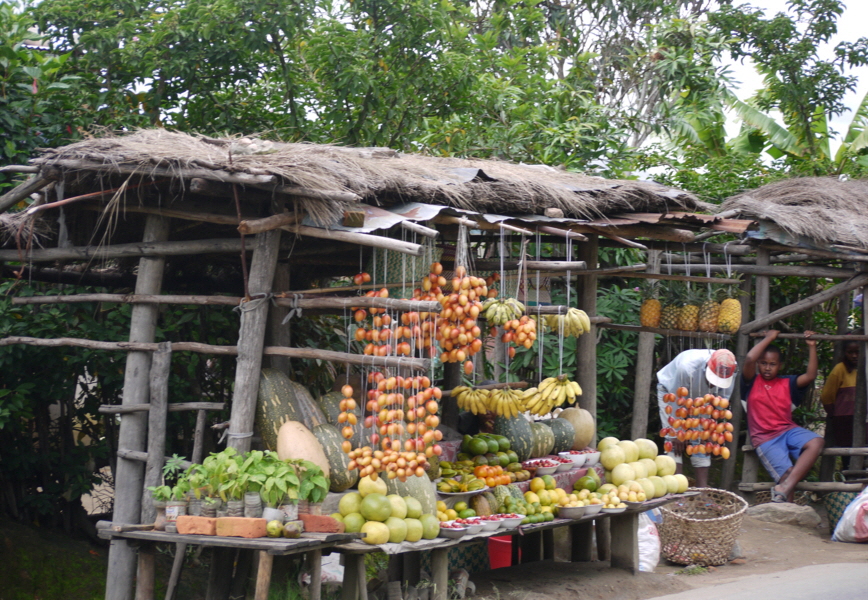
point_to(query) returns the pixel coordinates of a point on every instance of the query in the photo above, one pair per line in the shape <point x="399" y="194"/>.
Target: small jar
<point x="174" y="509"/>
<point x="290" y="511"/>
<point x="314" y="508"/>
<point x="160" y="520"/>
<point x="210" y="506"/>
<point x="273" y="514"/>
<point x="235" y="508"/>
<point x="194" y="505"/>
<point x="252" y="505"/>
<point x="303" y="507"/>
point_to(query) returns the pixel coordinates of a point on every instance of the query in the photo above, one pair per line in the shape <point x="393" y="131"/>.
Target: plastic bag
<point x="332" y="570"/>
<point x="853" y="526"/>
<point x="649" y="544"/>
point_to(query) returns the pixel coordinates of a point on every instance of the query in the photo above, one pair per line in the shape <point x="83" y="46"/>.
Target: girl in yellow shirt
<point x="839" y="398"/>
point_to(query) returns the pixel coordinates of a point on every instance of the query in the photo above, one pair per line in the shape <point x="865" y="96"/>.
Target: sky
<point x="851" y="26"/>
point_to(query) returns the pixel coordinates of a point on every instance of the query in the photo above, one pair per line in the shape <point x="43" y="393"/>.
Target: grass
<point x="44" y="564"/>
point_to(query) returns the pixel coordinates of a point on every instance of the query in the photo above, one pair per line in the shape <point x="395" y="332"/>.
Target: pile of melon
<point x="629" y="461"/>
<point x="384" y="517"/>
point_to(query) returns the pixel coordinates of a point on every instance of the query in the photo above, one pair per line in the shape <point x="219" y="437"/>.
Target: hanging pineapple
<point x="649" y="312"/>
<point x="669" y="313"/>
<point x="688" y="315"/>
<point x="709" y="312"/>
<point x="729" y="319"/>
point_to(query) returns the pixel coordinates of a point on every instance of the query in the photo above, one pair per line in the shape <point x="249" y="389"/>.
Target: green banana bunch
<point x="476" y="401"/>
<point x="551" y="393"/>
<point x="506" y="402"/>
<point x="573" y="324"/>
<point x="499" y="312"/>
<point x="468" y="483"/>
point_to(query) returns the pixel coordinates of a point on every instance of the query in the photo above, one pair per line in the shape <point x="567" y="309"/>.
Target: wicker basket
<point x="701" y="529"/>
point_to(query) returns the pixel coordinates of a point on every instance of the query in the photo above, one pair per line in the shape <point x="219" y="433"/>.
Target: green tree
<point x="36" y="108"/>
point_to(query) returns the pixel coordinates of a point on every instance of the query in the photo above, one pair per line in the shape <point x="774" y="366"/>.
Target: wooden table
<point x="624" y="549"/>
<point x="311" y="544"/>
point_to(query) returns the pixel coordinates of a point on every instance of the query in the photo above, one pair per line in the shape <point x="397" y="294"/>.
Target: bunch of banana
<point x="468" y="483"/>
<point x="573" y="324"/>
<point x="476" y="401"/>
<point x="550" y="394"/>
<point x="499" y="312"/>
<point x="506" y="402"/>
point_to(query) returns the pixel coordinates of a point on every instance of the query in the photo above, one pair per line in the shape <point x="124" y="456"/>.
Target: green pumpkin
<point x="340" y="476"/>
<point x="280" y="400"/>
<point x="518" y="431"/>
<point x="564" y="433"/>
<point x="543" y="439"/>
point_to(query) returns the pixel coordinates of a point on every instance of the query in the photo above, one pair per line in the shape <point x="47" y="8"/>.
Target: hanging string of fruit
<point x="551" y="393"/>
<point x="703" y="421"/>
<point x="573" y="324"/>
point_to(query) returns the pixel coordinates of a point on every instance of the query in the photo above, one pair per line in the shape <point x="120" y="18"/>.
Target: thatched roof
<point x="378" y="175"/>
<point x="825" y="210"/>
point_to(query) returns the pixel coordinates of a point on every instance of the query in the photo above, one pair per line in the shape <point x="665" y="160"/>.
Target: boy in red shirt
<point x="777" y="439"/>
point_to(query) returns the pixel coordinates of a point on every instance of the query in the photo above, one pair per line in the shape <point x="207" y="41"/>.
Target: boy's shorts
<point x="779" y="454"/>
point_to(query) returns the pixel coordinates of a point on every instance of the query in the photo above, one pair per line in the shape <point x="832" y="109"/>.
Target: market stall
<point x="433" y="268"/>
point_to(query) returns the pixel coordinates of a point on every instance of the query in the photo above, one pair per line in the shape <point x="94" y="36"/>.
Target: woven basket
<point x="701" y="529"/>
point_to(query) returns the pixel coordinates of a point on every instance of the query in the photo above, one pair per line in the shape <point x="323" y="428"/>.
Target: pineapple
<point x="669" y="313"/>
<point x="730" y="316"/>
<point x="708" y="315"/>
<point x="688" y="314"/>
<point x="649" y="312"/>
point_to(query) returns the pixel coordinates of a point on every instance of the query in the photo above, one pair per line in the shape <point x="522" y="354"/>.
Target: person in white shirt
<point x="701" y="372"/>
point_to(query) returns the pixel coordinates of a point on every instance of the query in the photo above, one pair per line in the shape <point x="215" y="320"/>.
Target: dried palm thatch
<point x="821" y="208"/>
<point x="379" y="175"/>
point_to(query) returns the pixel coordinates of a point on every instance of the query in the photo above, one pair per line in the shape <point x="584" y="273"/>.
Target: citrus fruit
<point x="368" y="486"/>
<point x="397" y="529"/>
<point x="399" y="507"/>
<point x="477" y="446"/>
<point x="350" y="503"/>
<point x="430" y="526"/>
<point x="550" y="482"/>
<point x="585" y="483"/>
<point x="414" y="530"/>
<point x="414" y="507"/>
<point x="376" y="533"/>
<point x="376" y="507"/>
<point x="353" y="522"/>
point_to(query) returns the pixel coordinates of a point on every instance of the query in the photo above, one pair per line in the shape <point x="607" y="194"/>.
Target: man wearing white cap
<point x="701" y="372"/>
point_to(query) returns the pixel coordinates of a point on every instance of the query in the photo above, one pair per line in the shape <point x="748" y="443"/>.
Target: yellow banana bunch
<point x="499" y="312"/>
<point x="476" y="401"/>
<point x="506" y="402"/>
<point x="573" y="324"/>
<point x="550" y="394"/>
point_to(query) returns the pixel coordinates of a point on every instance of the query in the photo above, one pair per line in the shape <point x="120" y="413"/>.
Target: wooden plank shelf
<point x="667" y="332"/>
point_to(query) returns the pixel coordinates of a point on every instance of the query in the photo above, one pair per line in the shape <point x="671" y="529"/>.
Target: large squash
<point x="294" y="440"/>
<point x="584" y="424"/>
<point x="330" y="405"/>
<point x="340" y="476"/>
<point x="517" y="430"/>
<point x="543" y="439"/>
<point x="421" y="488"/>
<point x="564" y="433"/>
<point x="280" y="400"/>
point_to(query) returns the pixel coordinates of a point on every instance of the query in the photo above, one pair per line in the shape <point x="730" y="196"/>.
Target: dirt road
<point x="767" y="547"/>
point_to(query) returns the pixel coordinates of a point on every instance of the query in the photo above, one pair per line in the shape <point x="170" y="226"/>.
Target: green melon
<point x="330" y="405"/>
<point x="543" y="439"/>
<point x="564" y="433"/>
<point x="519" y="433"/>
<point x="340" y="476"/>
<point x="279" y="401"/>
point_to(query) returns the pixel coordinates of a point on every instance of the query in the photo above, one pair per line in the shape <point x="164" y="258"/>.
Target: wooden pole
<point x="859" y="417"/>
<point x="251" y="340"/>
<point x="17" y="194"/>
<point x="161" y="364"/>
<point x="741" y="349"/>
<point x="130" y="474"/>
<point x="586" y="346"/>
<point x="263" y="575"/>
<point x="362" y="239"/>
<point x="762" y="321"/>
<point x="149" y="249"/>
<point x="658" y="331"/>
<point x="769" y="270"/>
<point x="146" y="576"/>
<point x="277" y="333"/>
<point x="249" y="227"/>
<point x="644" y="369"/>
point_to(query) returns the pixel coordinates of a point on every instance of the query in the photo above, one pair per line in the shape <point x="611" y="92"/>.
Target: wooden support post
<point x="859" y="417"/>
<point x="581" y="542"/>
<point x="350" y="588"/>
<point x="314" y="560"/>
<point x="603" y="533"/>
<point x="586" y="346"/>
<point x="644" y="369"/>
<point x="531" y="547"/>
<point x="263" y="575"/>
<point x="412" y="567"/>
<point x="440" y="573"/>
<point x="251" y="340"/>
<point x="161" y="364"/>
<point x="625" y="541"/>
<point x="277" y="333"/>
<point x="827" y="463"/>
<point x="548" y="544"/>
<point x="130" y="474"/>
<point x="146" y="577"/>
<point x="741" y="349"/>
<point x="22" y="191"/>
<point x="750" y="466"/>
